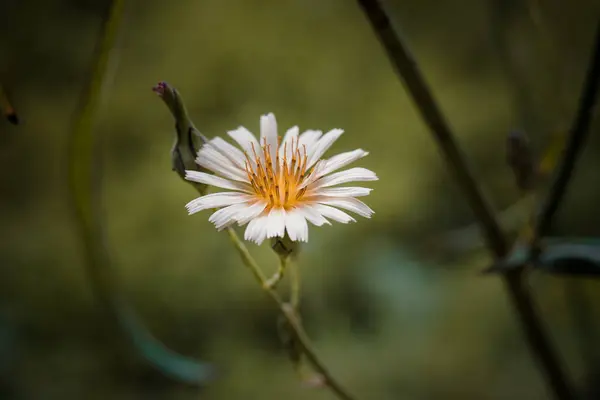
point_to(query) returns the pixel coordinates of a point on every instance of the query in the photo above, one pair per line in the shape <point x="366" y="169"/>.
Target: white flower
<point x="278" y="185"/>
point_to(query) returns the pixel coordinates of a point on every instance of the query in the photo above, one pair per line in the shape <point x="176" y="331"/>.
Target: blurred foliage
<point x="391" y="316"/>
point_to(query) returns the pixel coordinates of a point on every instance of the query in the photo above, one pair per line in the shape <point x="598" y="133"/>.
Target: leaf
<point x="560" y="256"/>
<point x="571" y="256"/>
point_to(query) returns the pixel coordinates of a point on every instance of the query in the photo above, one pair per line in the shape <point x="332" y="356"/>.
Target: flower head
<point x="276" y="186"/>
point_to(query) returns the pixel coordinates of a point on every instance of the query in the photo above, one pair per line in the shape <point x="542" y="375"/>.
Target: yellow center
<point x="278" y="186"/>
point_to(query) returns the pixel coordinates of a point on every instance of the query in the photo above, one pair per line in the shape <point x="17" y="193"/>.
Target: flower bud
<point x="284" y="247"/>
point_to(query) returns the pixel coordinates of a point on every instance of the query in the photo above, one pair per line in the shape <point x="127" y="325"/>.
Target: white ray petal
<point x="268" y="134"/>
<point x="314" y="175"/>
<point x="232" y="153"/>
<point x="209" y="154"/>
<point x="309" y="138"/>
<point x="251" y="212"/>
<point x="341" y="160"/>
<point x="251" y="230"/>
<point x="224" y="217"/>
<point x="351" y="204"/>
<point x="276" y="223"/>
<point x="216" y="200"/>
<point x="333" y="213"/>
<point x="256" y="231"/>
<point x="319" y="148"/>
<point x="350" y="175"/>
<point x="296" y="226"/>
<point x="264" y="228"/>
<point x="217" y="181"/>
<point x="291" y="136"/>
<point x="339" y="192"/>
<point x="209" y="158"/>
<point x="247" y="142"/>
<point x="312" y="215"/>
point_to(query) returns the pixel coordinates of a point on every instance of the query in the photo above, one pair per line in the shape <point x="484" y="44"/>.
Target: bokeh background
<point x="394" y="312"/>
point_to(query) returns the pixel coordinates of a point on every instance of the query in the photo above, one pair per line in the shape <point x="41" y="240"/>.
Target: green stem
<point x="575" y="143"/>
<point x="289" y="313"/>
<point x="274" y="280"/>
<point x="294" y="285"/>
<point x="247" y="259"/>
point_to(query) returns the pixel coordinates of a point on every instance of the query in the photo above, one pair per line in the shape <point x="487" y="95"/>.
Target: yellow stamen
<point x="277" y="184"/>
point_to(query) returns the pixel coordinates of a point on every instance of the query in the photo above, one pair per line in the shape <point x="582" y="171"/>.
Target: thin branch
<point x="407" y="69"/>
<point x="414" y="82"/>
<point x="287" y="310"/>
<point x="579" y="131"/>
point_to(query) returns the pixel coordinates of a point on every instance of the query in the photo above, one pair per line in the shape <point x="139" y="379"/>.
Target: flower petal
<point x="338" y="192"/>
<point x="232" y="153"/>
<point x="276" y="223"/>
<point x="312" y="215"/>
<point x="350" y="175"/>
<point x="341" y="160"/>
<point x="333" y="213"/>
<point x="296" y="226"/>
<point x="350" y="204"/>
<point x="309" y="138"/>
<point x="256" y="231"/>
<point x="246" y="140"/>
<point x="319" y="201"/>
<point x="209" y="158"/>
<point x="268" y="135"/>
<point x="314" y="175"/>
<point x="319" y="148"/>
<point x="217" y="181"/>
<point x="215" y="200"/>
<point x="224" y="217"/>
<point x="291" y="137"/>
<point x="251" y="212"/>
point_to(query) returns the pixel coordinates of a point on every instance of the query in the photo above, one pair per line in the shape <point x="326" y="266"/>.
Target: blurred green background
<point x="394" y="314"/>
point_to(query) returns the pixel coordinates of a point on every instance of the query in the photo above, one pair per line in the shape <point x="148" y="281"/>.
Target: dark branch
<point x="574" y="147"/>
<point x="412" y="78"/>
<point x="407" y="69"/>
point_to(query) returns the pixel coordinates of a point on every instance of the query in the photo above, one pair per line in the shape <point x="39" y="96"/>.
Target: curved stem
<point x="294" y="285"/>
<point x="287" y="310"/>
<point x="85" y="195"/>
<point x="274" y="280"/>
